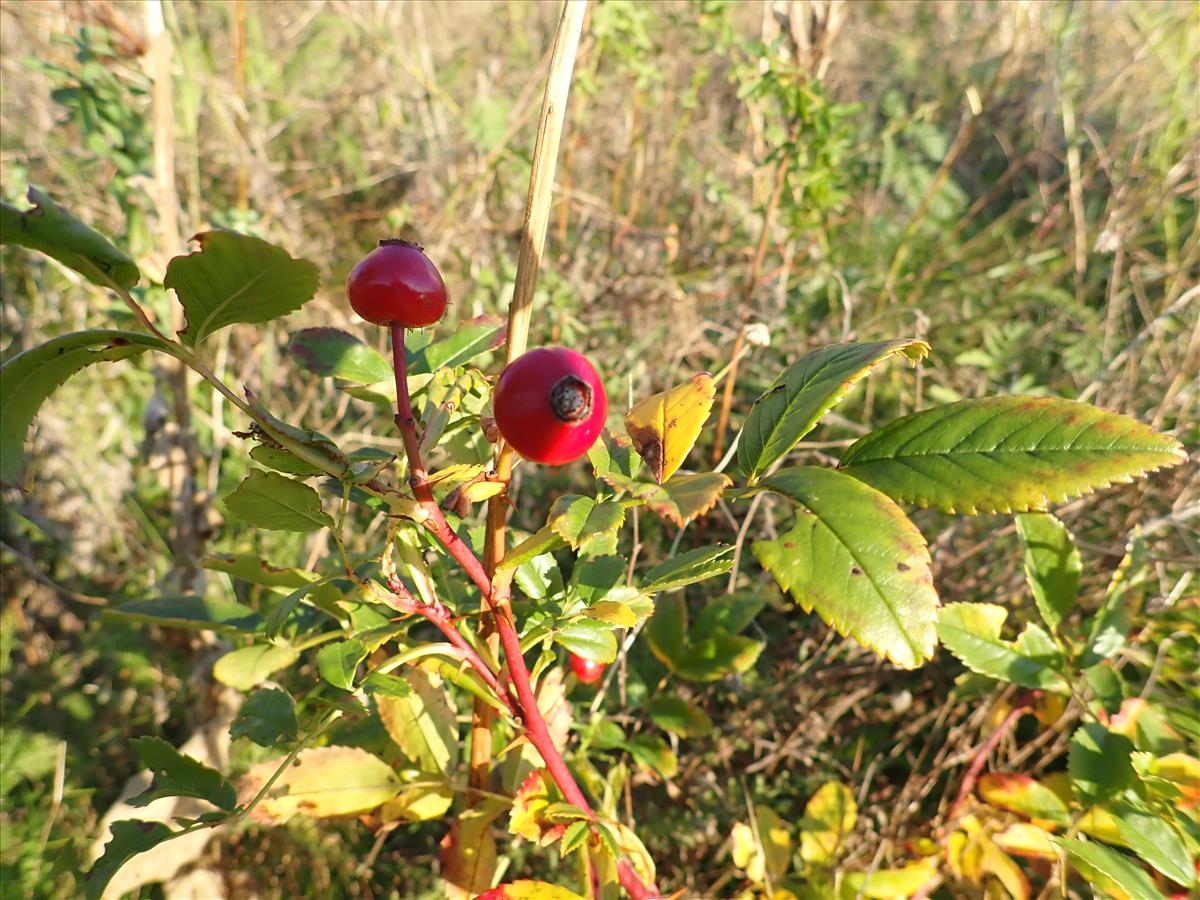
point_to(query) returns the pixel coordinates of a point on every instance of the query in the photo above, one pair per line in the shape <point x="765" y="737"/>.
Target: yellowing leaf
<point x="1024" y="796"/>
<point x="829" y="816"/>
<point x="889" y="884"/>
<point x="529" y="811"/>
<point x="468" y="854"/>
<point x="1024" y="839"/>
<point x="324" y="782"/>
<point x="665" y="427"/>
<point x="419" y="801"/>
<point x="773" y="857"/>
<point x="528" y="890"/>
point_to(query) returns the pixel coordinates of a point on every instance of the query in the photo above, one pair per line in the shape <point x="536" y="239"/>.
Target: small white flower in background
<point x="758" y="334"/>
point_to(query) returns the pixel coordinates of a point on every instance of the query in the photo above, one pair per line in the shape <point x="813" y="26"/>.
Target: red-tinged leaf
<point x="1006" y="454"/>
<point x="1024" y="796"/>
<point x="532" y="799"/>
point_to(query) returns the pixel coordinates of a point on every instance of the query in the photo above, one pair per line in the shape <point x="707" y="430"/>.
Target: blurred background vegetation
<point x="1015" y="182"/>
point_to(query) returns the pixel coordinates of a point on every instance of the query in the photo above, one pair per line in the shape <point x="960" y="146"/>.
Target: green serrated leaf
<point x="1052" y="564"/>
<point x="589" y="526"/>
<point x="129" y="838"/>
<point x="268" y="717"/>
<point x="283" y="461"/>
<point x="1006" y="454"/>
<point x="731" y="613"/>
<point x="335" y="353"/>
<point x="247" y="667"/>
<point x="276" y="502"/>
<point x="250" y="568"/>
<point x="574" y="837"/>
<point x="470" y="339"/>
<point x="1155" y="841"/>
<point x="386" y="685"/>
<point x="1108" y="867"/>
<point x="678" y="716"/>
<point x="667" y="630"/>
<point x="324" y="595"/>
<point x="50" y="229"/>
<point x="971" y="631"/>
<point x="688" y="568"/>
<point x="30" y="377"/>
<point x="178" y="775"/>
<point x="794" y="403"/>
<point x="1100" y="763"/>
<point x="537" y="544"/>
<point x="338" y="662"/>
<point x="652" y="752"/>
<point x="189" y="612"/>
<point x="589" y="638"/>
<point x="717" y="656"/>
<point x="235" y="278"/>
<point x="855" y="558"/>
<point x="1122" y="602"/>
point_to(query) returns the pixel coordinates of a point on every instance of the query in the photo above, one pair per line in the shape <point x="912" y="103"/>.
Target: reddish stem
<point x="525" y="708"/>
<point x="633" y="884"/>
<point x="440" y="616"/>
<point x="981" y="757"/>
<point x="418" y="478"/>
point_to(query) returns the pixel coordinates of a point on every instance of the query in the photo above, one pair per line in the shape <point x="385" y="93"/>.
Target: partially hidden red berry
<point x="586" y="670"/>
<point x="550" y="405"/>
<point x="397" y="284"/>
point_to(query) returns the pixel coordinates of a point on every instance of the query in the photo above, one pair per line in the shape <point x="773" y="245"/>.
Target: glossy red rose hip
<point x="586" y="670"/>
<point x="397" y="284"/>
<point x="550" y="405"/>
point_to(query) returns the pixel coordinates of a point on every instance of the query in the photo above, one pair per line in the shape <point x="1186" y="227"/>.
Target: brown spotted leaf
<point x="664" y="427"/>
<point x="855" y="558"/>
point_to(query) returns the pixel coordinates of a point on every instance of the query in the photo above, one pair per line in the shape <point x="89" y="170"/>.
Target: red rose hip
<point x="550" y="405"/>
<point x="586" y="670"/>
<point x="397" y="284"/>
